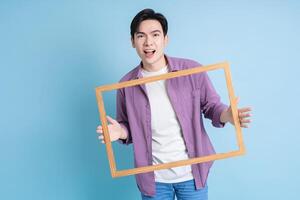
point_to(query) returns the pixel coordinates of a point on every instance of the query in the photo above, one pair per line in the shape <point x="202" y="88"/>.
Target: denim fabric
<point x="182" y="191"/>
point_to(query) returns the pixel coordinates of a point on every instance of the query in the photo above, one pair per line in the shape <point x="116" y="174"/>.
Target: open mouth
<point x="149" y="52"/>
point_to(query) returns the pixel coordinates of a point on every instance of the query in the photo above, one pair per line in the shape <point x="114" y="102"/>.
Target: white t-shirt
<point x="167" y="140"/>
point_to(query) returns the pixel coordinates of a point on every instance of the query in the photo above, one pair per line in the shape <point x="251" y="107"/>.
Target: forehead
<point x="149" y="25"/>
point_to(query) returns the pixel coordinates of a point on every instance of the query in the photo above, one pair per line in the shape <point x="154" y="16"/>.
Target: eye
<point x="156" y="34"/>
<point x="140" y="36"/>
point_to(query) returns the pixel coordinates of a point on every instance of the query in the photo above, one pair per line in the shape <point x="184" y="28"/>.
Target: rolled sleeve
<point x="122" y="116"/>
<point x="210" y="102"/>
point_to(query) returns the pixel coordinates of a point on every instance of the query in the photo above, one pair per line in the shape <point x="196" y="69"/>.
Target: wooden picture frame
<point x="217" y="156"/>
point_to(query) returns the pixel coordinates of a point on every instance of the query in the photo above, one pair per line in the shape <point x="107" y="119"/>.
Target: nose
<point x="148" y="41"/>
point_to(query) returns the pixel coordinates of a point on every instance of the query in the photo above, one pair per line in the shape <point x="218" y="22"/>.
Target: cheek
<point x="139" y="50"/>
<point x="139" y="45"/>
<point x="160" y="44"/>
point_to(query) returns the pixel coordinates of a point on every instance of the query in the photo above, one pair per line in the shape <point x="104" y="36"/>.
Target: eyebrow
<point x="145" y="33"/>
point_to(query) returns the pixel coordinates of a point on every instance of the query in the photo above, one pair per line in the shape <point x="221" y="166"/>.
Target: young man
<point x="163" y="119"/>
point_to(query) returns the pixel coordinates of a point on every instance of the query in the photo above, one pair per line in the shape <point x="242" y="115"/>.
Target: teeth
<point x="149" y="51"/>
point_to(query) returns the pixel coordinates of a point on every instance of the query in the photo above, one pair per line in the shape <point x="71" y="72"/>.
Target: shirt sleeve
<point x="122" y="116"/>
<point x="211" y="104"/>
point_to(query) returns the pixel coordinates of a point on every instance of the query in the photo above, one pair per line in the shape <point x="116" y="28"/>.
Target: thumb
<point x="237" y="99"/>
<point x="111" y="120"/>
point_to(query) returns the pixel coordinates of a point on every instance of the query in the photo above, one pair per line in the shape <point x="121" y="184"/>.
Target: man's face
<point x="149" y="41"/>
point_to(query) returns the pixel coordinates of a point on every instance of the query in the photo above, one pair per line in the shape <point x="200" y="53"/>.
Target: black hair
<point x="148" y="14"/>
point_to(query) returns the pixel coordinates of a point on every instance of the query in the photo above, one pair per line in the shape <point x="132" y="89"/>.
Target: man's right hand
<point x="115" y="130"/>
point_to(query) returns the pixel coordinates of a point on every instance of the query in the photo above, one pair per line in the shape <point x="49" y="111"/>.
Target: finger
<point x="102" y="130"/>
<point x="102" y="141"/>
<point x="245" y="121"/>
<point x="244" y="115"/>
<point x="111" y="120"/>
<point x="246" y="109"/>
<point x="237" y="99"/>
<point x="99" y="127"/>
<point x="100" y="137"/>
<point x="244" y="126"/>
<point x="99" y="130"/>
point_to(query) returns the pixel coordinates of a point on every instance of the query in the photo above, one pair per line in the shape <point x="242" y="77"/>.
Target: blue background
<point x="54" y="53"/>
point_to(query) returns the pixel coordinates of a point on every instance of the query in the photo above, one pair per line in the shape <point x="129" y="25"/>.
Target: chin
<point x="150" y="62"/>
<point x="153" y="60"/>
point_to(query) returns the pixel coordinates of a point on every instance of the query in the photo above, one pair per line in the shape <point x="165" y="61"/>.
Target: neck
<point x="156" y="66"/>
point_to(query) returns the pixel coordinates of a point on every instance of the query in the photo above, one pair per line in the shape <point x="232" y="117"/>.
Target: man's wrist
<point x="123" y="135"/>
<point x="224" y="117"/>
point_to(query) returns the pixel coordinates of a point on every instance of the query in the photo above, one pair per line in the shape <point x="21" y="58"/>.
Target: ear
<point x="132" y="42"/>
<point x="166" y="40"/>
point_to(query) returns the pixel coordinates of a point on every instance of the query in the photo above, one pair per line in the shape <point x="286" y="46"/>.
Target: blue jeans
<point x="184" y="191"/>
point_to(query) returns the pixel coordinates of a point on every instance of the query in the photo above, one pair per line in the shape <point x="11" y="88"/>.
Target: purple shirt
<point x="191" y="96"/>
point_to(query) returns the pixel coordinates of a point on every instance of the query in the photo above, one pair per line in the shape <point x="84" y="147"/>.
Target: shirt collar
<point x="171" y="65"/>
